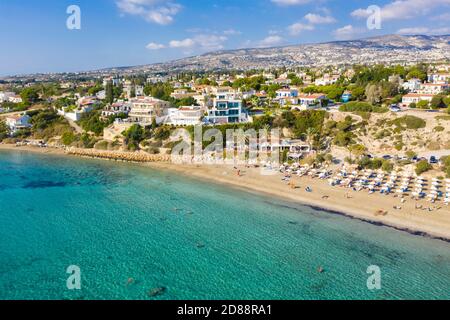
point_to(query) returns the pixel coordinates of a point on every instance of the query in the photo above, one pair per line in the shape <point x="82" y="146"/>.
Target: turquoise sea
<point x="198" y="240"/>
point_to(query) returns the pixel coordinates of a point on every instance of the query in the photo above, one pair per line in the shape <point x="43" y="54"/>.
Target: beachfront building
<point x="433" y="88"/>
<point x="224" y="93"/>
<point x="131" y="90"/>
<point x="415" y="98"/>
<point x="5" y="96"/>
<point x="309" y="101"/>
<point x="412" y="85"/>
<point x="157" y="79"/>
<point x="145" y="109"/>
<point x="115" y="81"/>
<point x="226" y="110"/>
<point x="19" y="122"/>
<point x="182" y="94"/>
<point x="296" y="149"/>
<point x="439" y="78"/>
<point x="287" y="96"/>
<point x="327" y="80"/>
<point x="116" y="109"/>
<point x="185" y="116"/>
<point x="15" y="99"/>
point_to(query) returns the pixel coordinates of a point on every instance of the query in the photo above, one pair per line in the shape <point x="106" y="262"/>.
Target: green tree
<point x="411" y="154"/>
<point x="4" y="130"/>
<point x="437" y="102"/>
<point x="68" y="138"/>
<point x="29" y="95"/>
<point x="446" y="101"/>
<point x="423" y="166"/>
<point x="109" y="92"/>
<point x="134" y="136"/>
<point x="423" y="104"/>
<point x="387" y="166"/>
<point x="357" y="150"/>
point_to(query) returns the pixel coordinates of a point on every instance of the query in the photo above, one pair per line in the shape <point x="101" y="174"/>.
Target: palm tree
<point x="310" y="135"/>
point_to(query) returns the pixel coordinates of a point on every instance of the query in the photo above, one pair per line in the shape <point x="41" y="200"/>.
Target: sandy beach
<point x="360" y="205"/>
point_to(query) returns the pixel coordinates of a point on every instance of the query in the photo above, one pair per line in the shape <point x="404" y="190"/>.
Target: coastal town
<point x="212" y="154"/>
<point x="382" y="129"/>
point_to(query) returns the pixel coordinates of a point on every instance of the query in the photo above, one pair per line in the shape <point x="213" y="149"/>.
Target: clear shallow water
<point x="117" y="221"/>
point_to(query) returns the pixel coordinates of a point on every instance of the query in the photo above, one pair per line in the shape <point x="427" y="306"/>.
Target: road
<point x="16" y="113"/>
<point x="438" y="154"/>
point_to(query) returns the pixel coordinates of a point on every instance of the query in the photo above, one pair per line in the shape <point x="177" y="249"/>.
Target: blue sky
<point x="133" y="32"/>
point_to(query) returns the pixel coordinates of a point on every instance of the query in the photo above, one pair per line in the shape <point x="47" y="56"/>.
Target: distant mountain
<point x="382" y="49"/>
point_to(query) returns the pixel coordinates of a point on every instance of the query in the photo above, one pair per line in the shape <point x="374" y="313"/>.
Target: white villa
<point x="439" y="77"/>
<point x="327" y="80"/>
<point x="284" y="96"/>
<point x="16" y="123"/>
<point x="128" y="88"/>
<point x="433" y="88"/>
<point x="307" y="101"/>
<point x="4" y="96"/>
<point x="145" y="109"/>
<point x="226" y="110"/>
<point x="415" y="98"/>
<point x="185" y="116"/>
<point x="412" y="85"/>
<point x="115" y="109"/>
<point x="182" y="93"/>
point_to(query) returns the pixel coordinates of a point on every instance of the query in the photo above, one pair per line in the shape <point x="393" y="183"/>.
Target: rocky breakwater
<point x="119" y="155"/>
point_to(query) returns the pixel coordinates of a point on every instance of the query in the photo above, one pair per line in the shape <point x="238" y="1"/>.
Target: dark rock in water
<point x="130" y="281"/>
<point x="43" y="184"/>
<point x="157" y="291"/>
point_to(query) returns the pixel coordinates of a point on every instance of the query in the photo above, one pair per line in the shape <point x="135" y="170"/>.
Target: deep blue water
<point x="119" y="221"/>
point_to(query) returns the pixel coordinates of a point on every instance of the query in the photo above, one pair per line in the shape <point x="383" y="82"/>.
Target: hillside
<point x="383" y="49"/>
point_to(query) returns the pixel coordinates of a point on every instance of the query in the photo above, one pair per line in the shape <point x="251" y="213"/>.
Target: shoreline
<point x="361" y="205"/>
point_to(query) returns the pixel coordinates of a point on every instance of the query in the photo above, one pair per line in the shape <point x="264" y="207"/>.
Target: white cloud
<point x="318" y="19"/>
<point x="210" y="42"/>
<point x="157" y="11"/>
<point x="232" y="32"/>
<point x="201" y="42"/>
<point x="186" y="43"/>
<point x="443" y="17"/>
<point x="297" y="28"/>
<point x="403" y="9"/>
<point x="155" y="46"/>
<point x="290" y="2"/>
<point x="424" y="30"/>
<point x="271" y="41"/>
<point x="347" y="32"/>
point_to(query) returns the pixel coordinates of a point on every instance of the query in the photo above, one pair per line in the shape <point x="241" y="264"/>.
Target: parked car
<point x="395" y="108"/>
<point x="433" y="160"/>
